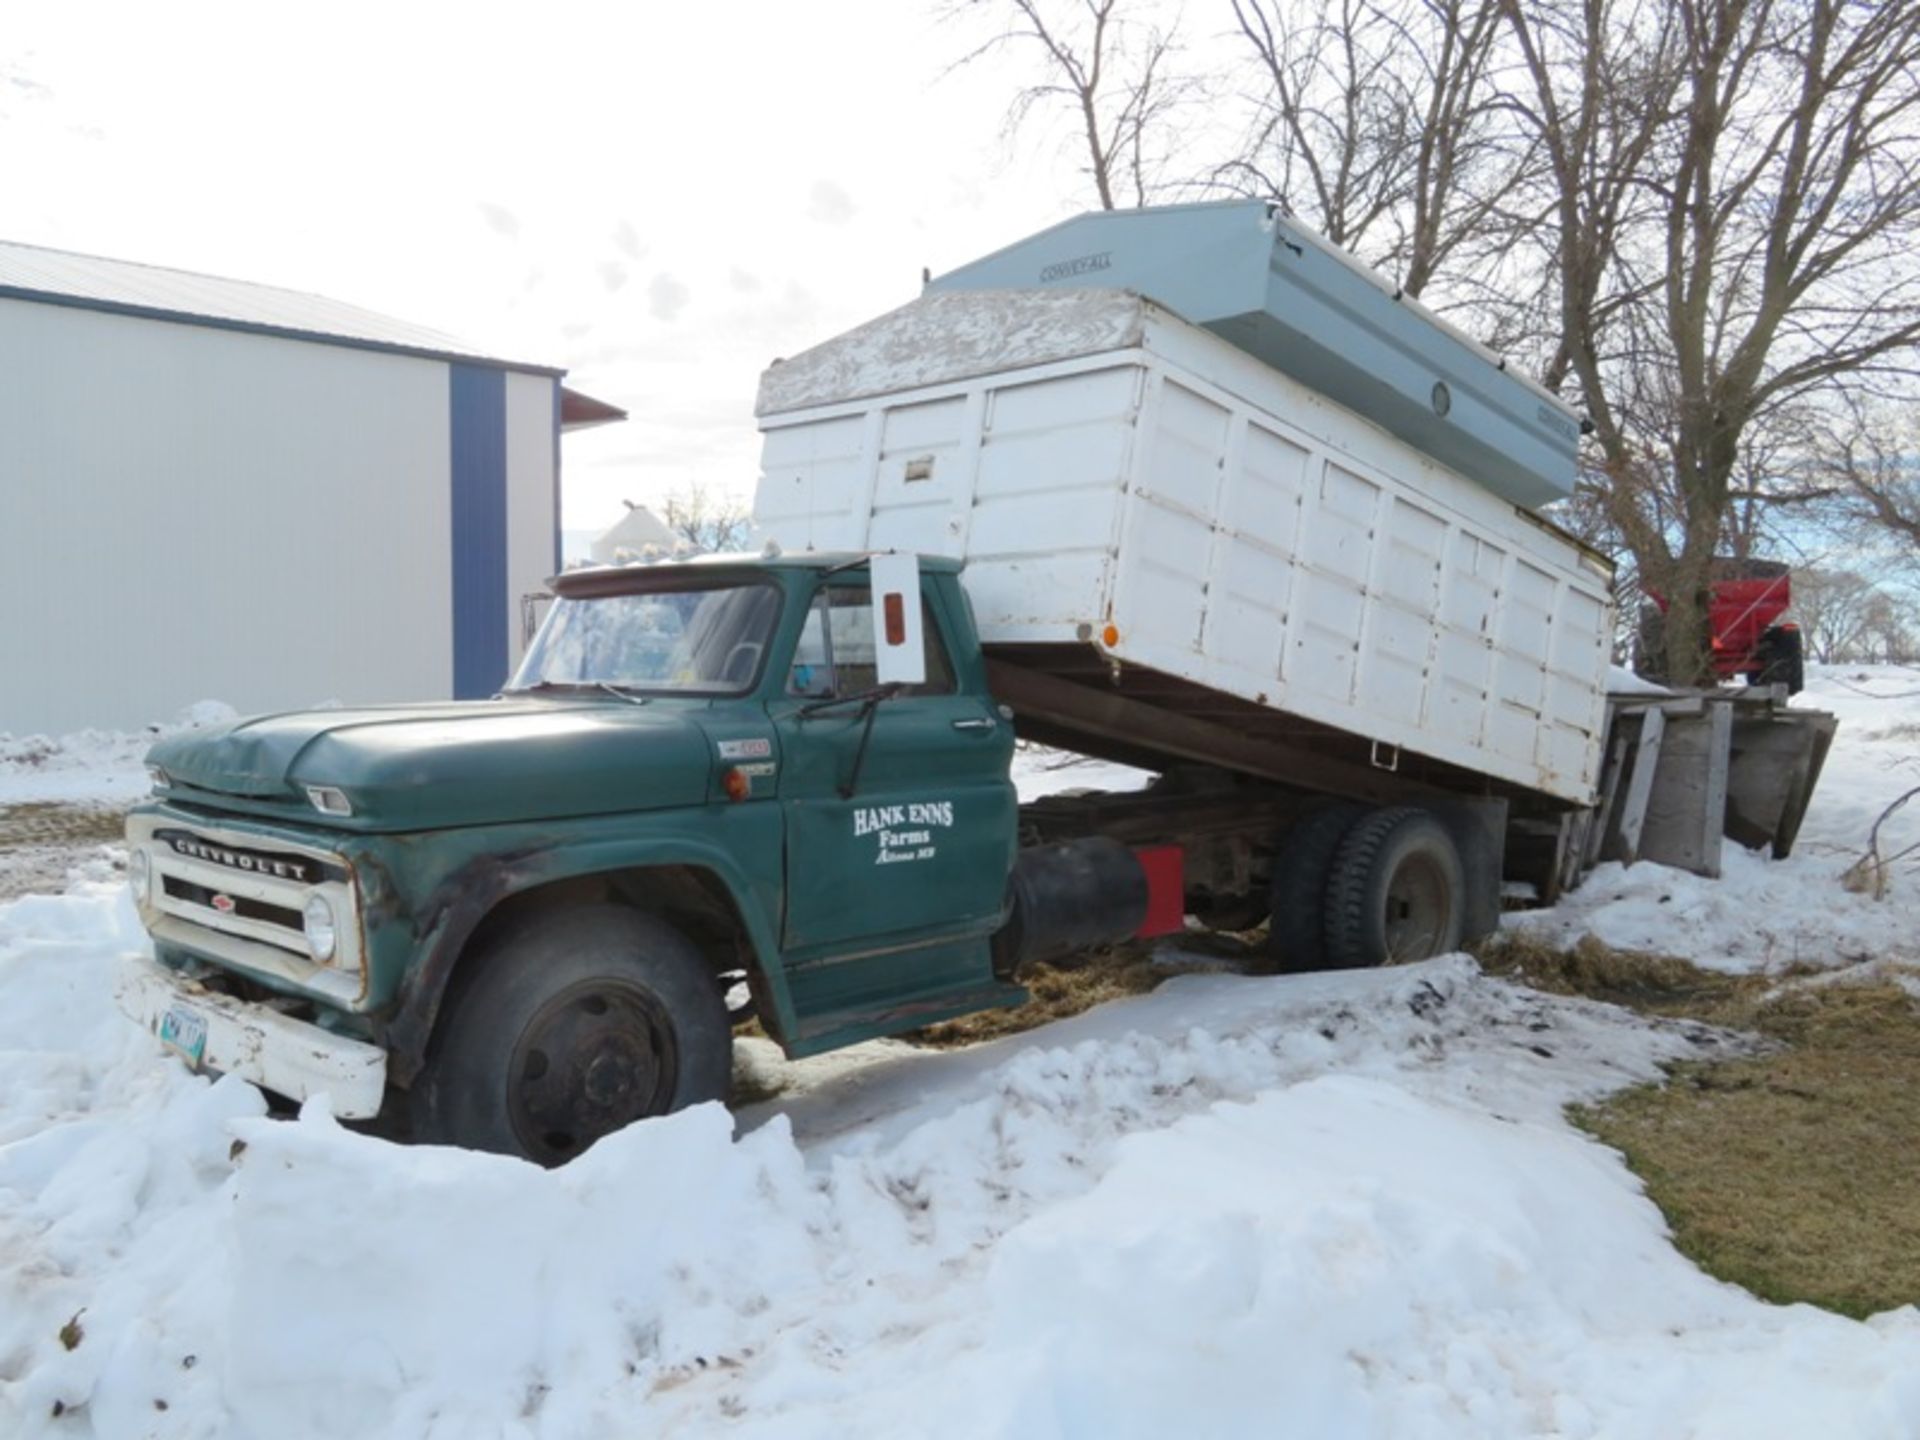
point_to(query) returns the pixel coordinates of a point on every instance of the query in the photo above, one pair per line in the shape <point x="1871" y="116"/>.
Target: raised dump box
<point x="1272" y="287"/>
<point x="1174" y="550"/>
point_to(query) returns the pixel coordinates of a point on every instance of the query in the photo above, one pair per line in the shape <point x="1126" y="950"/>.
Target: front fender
<point x="463" y="876"/>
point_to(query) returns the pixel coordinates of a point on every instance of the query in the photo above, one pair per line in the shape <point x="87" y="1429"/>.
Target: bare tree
<point x="1695" y="216"/>
<point x="1108" y="64"/>
<point x="1889" y="635"/>
<point x="1833" y="608"/>
<point x="1735" y="190"/>
<point x="707" y="521"/>
<point x="1379" y="122"/>
<point x="1867" y="465"/>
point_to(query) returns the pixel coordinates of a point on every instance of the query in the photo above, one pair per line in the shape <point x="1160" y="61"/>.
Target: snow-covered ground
<point x="1766" y="915"/>
<point x="1325" y="1206"/>
<point x="92" y="766"/>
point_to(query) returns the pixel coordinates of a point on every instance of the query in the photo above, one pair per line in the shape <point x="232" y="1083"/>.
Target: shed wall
<point x="533" y="496"/>
<point x="190" y="513"/>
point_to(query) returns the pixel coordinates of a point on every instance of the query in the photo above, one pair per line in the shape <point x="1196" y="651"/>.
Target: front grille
<point x="269" y="878"/>
<point x="246" y="909"/>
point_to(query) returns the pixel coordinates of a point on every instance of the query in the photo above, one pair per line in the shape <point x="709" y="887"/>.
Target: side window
<point x="812" y="674"/>
<point x="835" y="655"/>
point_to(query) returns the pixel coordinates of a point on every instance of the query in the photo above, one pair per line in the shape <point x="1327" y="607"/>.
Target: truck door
<point x="918" y="852"/>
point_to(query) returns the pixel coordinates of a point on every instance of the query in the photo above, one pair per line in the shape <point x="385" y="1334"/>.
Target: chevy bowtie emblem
<point x="222" y="903"/>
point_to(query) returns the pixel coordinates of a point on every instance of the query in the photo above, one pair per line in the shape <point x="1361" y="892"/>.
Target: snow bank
<point x="1762" y="914"/>
<point x="1336" y="1205"/>
<point x="1345" y="1258"/>
<point x="379" y="1291"/>
<point x="1759" y="915"/>
<point x="91" y="765"/>
<point x="1347" y="1202"/>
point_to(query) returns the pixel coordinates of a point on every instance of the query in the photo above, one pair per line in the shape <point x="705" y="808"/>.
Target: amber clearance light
<point x="737" y="784"/>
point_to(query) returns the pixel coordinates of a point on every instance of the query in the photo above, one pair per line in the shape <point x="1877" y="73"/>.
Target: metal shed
<point x="211" y="489"/>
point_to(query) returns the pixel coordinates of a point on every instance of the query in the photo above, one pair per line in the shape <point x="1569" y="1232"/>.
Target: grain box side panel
<point x="1276" y="562"/>
<point x="1021" y="473"/>
<point x="814" y="473"/>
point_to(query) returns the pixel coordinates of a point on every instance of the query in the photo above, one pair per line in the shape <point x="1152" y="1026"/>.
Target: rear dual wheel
<point x="1396" y="891"/>
<point x="1301" y="871"/>
<point x="1354" y="888"/>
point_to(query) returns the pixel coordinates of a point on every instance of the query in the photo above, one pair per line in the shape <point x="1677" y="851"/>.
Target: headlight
<point x="140" y="874"/>
<point x="159" y="778"/>
<point x="318" y="921"/>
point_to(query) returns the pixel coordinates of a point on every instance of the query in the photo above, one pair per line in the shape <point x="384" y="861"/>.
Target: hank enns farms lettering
<point x="894" y="842"/>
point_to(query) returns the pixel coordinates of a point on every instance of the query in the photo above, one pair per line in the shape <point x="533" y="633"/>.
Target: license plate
<point x="184" y="1032"/>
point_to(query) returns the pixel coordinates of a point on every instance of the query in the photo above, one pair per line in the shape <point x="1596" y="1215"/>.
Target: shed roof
<point x="62" y="277"/>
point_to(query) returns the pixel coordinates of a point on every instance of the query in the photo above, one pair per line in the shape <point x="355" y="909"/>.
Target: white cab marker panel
<point x="900" y="656"/>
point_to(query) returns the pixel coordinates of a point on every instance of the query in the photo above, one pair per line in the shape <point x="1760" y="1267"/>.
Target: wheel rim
<point x="596" y="1057"/>
<point x="1419" y="909"/>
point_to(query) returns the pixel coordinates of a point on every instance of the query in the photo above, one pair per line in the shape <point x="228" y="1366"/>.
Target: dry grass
<point x="1056" y="992"/>
<point x="1652" y="984"/>
<point x="40" y="841"/>
<point x="1794" y="1172"/>
<point x="49" y="823"/>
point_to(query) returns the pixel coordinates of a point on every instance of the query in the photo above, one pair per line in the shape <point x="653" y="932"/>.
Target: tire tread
<point x="1297" y="930"/>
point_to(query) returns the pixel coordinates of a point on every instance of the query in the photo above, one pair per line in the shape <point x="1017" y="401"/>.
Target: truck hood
<point x="419" y="767"/>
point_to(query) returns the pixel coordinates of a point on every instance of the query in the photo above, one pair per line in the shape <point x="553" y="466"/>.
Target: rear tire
<point x="1396" y="892"/>
<point x="1300" y="872"/>
<point x="574" y="1025"/>
<point x="1650" y="645"/>
<point x="1782" y="659"/>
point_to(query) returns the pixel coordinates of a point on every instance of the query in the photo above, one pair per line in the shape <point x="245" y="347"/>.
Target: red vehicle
<point x="1748" y="637"/>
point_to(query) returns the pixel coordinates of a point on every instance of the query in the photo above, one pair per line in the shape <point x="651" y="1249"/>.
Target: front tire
<point x="575" y="1024"/>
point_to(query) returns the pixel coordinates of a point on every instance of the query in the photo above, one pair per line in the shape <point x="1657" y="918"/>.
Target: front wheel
<point x="574" y="1025"/>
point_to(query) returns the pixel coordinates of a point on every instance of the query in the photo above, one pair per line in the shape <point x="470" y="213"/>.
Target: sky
<point x="661" y="199"/>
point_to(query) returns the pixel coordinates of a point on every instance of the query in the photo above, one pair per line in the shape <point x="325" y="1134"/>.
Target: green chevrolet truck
<point x="1284" y="562"/>
<point x="522" y="919"/>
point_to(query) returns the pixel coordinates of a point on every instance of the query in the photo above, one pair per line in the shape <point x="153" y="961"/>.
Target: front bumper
<point x="256" y="1042"/>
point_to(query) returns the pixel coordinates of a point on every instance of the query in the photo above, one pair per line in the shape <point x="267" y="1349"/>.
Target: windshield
<point x="704" y="640"/>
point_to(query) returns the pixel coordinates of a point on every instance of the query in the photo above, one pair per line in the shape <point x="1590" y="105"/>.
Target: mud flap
<point x="1479" y="830"/>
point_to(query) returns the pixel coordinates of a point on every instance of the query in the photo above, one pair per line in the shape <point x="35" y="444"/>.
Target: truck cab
<point x="524" y="914"/>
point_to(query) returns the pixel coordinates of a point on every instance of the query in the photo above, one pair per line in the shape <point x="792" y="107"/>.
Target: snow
<point x="945" y="337"/>
<point x="1765" y="915"/>
<point x="1622" y="681"/>
<point x="1334" y="1205"/>
<point x="91" y="766"/>
<point x="1039" y="771"/>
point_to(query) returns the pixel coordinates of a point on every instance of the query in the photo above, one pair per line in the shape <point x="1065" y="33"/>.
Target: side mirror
<point x="899" y="650"/>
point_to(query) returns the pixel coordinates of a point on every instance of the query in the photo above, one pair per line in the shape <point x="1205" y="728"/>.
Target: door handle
<point x="984" y="722"/>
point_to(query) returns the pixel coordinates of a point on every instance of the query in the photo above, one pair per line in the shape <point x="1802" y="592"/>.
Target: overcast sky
<point x="659" y="198"/>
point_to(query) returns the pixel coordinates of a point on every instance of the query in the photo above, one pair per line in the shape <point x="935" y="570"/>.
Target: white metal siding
<point x="190" y="513"/>
<point x="531" y="519"/>
<point x="1239" y="531"/>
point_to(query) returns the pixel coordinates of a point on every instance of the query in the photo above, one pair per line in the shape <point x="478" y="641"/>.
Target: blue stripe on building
<point x="478" y="420"/>
<point x="559" y="552"/>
